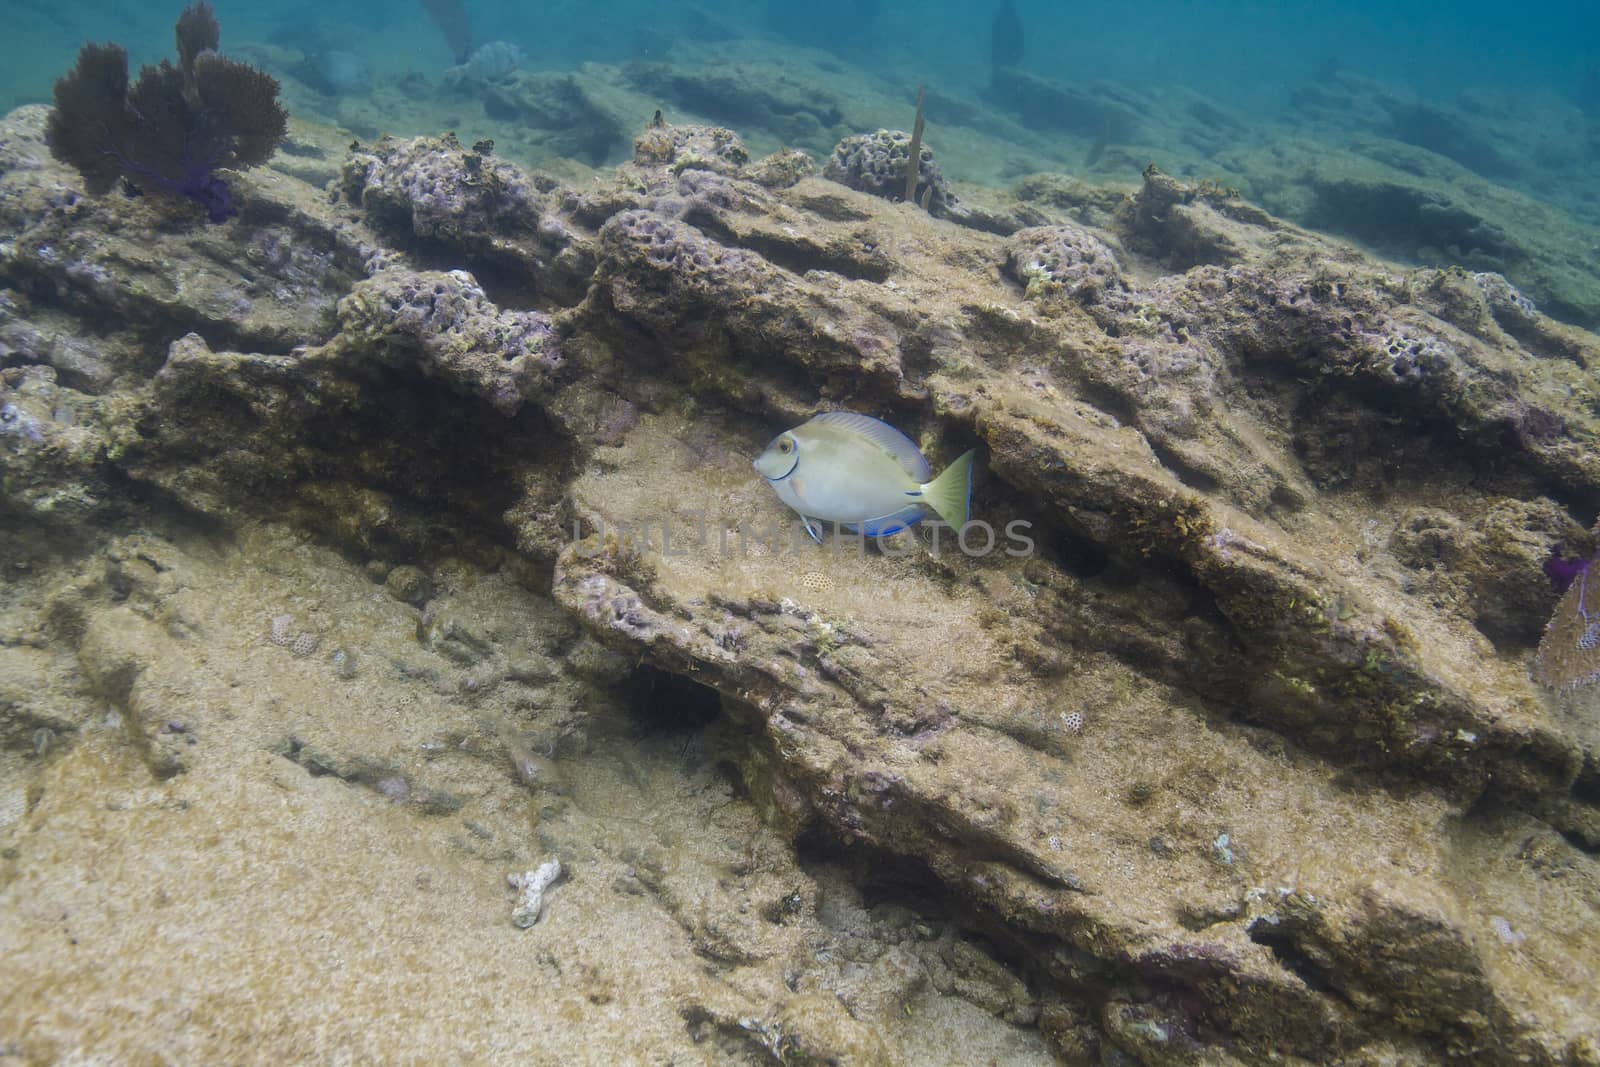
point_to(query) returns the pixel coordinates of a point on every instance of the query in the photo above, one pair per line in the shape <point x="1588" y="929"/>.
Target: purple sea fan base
<point x="210" y="191"/>
<point x="199" y="184"/>
<point x="1561" y="570"/>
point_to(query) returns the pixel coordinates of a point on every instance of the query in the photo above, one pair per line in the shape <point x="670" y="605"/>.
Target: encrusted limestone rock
<point x="440" y="190"/>
<point x="1062" y="261"/>
<point x="876" y="163"/>
<point x="267" y="280"/>
<point x="444" y="324"/>
<point x="51" y="450"/>
<point x="690" y="148"/>
<point x="1234" y="852"/>
<point x="434" y="191"/>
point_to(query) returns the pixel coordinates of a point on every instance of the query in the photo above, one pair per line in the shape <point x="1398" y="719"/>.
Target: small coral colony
<point x="171" y="132"/>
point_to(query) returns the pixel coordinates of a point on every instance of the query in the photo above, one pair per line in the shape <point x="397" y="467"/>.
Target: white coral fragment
<point x="530" y="896"/>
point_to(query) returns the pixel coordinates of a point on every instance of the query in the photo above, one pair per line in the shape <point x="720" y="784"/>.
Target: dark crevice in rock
<point x="879" y="875"/>
<point x="1280" y="942"/>
<point x="698" y="353"/>
<point x="1178" y="985"/>
<point x="1587" y="785"/>
<point x="449" y="473"/>
<point x="887" y="880"/>
<point x="1366" y="435"/>
<point x="453" y="481"/>
<point x="1169" y="623"/>
<point x="155" y="327"/>
<point x="1186" y="472"/>
<point x="1079" y="557"/>
<point x="505" y="280"/>
<point x="796" y="254"/>
<point x="665" y="703"/>
<point x="1112" y="401"/>
<point x="1286" y="498"/>
<point x="832" y="207"/>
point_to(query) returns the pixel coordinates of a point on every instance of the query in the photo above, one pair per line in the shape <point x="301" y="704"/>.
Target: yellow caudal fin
<point x="950" y="494"/>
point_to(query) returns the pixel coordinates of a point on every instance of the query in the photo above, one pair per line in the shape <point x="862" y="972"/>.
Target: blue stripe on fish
<point x="885" y="525"/>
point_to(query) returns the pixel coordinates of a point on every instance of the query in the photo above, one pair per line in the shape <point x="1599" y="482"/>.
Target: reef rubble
<point x="1239" y="762"/>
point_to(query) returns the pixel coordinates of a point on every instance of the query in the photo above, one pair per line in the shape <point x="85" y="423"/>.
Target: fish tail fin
<point x="950" y="494"/>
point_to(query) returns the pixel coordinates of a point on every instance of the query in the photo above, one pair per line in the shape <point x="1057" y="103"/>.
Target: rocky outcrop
<point x="1222" y="736"/>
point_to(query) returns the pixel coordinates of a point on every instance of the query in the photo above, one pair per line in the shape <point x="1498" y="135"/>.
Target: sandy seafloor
<point x="326" y="878"/>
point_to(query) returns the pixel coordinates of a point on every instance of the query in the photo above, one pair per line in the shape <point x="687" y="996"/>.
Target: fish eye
<point x="786" y="446"/>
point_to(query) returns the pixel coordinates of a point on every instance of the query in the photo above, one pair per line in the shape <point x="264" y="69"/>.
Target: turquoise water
<point x="1232" y="50"/>
<point x="1487" y="114"/>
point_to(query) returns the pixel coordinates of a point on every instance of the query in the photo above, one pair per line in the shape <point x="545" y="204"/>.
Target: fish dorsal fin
<point x="886" y="437"/>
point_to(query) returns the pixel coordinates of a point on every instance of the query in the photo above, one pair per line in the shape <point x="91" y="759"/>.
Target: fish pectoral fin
<point x="813" y="527"/>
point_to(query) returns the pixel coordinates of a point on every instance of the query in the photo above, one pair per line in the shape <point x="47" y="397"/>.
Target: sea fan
<point x="172" y="129"/>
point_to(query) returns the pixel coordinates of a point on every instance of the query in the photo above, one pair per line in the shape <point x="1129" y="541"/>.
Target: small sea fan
<point x="1569" y="654"/>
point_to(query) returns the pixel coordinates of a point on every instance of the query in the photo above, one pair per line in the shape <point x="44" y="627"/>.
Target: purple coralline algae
<point x="440" y="190"/>
<point x="876" y="163"/>
<point x="1504" y="299"/>
<point x="1065" y="260"/>
<point x="682" y="250"/>
<point x="446" y="325"/>
<point x="1564" y="570"/>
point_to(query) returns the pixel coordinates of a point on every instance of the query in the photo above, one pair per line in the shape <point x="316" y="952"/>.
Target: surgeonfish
<point x="863" y="474"/>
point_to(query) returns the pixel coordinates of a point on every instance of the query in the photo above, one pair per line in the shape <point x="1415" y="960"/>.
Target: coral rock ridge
<point x="1242" y="762"/>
